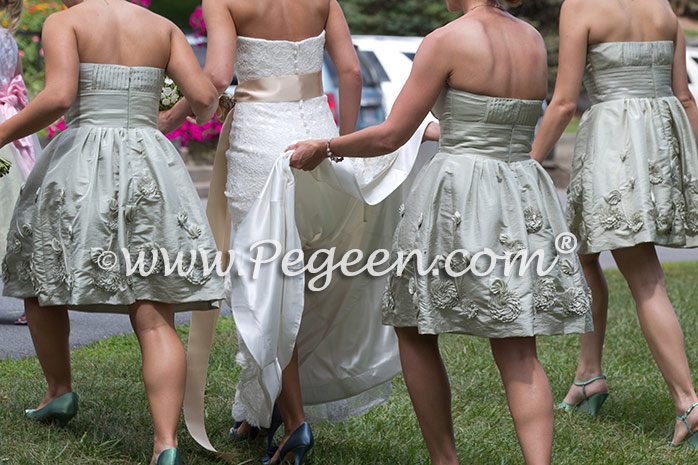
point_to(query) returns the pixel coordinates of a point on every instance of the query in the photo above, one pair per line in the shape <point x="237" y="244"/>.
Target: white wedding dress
<point x="346" y="357"/>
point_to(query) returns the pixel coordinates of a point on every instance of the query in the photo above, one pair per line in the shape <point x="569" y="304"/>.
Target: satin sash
<point x="203" y="323"/>
<point x="11" y="101"/>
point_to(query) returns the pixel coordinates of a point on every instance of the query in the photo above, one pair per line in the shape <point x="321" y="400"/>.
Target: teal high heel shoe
<point x="692" y="438"/>
<point x="296" y="447"/>
<point x="60" y="410"/>
<point x="590" y="405"/>
<point x="169" y="457"/>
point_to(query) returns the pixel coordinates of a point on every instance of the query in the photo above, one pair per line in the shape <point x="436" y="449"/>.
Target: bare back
<point x="121" y="33"/>
<point x="627" y="20"/>
<point x="492" y="53"/>
<point x="292" y="20"/>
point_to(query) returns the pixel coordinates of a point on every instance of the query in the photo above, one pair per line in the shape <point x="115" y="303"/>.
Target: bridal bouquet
<point x="4" y="167"/>
<point x="170" y="94"/>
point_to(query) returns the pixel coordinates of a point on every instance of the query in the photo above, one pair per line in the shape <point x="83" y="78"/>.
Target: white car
<point x="392" y="58"/>
<point x="692" y="69"/>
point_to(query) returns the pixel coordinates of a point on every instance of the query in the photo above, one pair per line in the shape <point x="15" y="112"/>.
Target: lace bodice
<point x="9" y="54"/>
<point x="258" y="58"/>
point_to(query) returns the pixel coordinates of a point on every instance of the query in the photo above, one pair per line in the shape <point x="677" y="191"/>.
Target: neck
<point x="470" y="4"/>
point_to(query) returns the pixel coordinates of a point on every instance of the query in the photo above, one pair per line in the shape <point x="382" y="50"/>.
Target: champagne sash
<point x="275" y="89"/>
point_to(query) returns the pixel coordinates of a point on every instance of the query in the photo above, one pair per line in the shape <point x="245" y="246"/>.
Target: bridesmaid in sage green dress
<point x="111" y="182"/>
<point x="634" y="177"/>
<point x="481" y="191"/>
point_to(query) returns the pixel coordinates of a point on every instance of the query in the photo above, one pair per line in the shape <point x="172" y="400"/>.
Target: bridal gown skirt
<point x="635" y="170"/>
<point x="483" y="192"/>
<point x="111" y="181"/>
<point x="346" y="357"/>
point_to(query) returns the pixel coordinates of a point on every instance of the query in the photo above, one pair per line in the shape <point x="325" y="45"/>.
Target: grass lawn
<point x="113" y="426"/>
<point x="573" y="126"/>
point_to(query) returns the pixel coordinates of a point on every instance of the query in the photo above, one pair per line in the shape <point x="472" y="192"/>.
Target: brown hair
<point x="13" y="12"/>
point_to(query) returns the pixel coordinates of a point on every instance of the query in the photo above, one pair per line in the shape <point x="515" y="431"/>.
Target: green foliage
<point x="178" y="11"/>
<point x="396" y="17"/>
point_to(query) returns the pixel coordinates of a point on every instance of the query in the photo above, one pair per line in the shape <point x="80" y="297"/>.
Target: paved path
<point x="86" y="327"/>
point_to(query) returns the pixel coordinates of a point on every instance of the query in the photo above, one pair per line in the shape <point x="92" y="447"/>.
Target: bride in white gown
<point x="326" y="351"/>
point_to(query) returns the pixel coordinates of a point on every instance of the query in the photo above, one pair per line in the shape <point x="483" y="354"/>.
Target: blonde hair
<point x="13" y="12"/>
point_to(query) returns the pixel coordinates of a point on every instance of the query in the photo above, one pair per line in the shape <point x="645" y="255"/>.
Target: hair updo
<point x="13" y="13"/>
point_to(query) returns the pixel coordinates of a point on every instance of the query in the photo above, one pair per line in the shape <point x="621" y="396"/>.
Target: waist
<point x="629" y="82"/>
<point x="113" y="109"/>
<point x="507" y="143"/>
<point x="287" y="88"/>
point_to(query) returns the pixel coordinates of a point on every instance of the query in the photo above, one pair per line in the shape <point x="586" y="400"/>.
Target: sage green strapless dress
<point x="111" y="181"/>
<point x="635" y="169"/>
<point x="483" y="191"/>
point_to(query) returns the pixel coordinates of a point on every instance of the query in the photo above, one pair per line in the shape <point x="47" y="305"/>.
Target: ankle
<point x="162" y="444"/>
<point x="683" y="403"/>
<point x="586" y="373"/>
<point x="55" y="391"/>
<point x="292" y="425"/>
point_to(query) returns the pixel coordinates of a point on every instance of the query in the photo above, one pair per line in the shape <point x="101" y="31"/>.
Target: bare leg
<point x="529" y="396"/>
<point x="661" y="328"/>
<point x="290" y="401"/>
<point x="430" y="391"/>
<point x="589" y="365"/>
<point x="164" y="369"/>
<point x="50" y="331"/>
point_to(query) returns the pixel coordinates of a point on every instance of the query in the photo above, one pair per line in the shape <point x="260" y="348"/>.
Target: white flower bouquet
<point x="170" y="94"/>
<point x="4" y="167"/>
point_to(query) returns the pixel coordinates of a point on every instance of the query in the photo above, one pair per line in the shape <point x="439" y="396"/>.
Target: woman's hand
<point x="307" y="155"/>
<point x="432" y="133"/>
<point x="166" y="123"/>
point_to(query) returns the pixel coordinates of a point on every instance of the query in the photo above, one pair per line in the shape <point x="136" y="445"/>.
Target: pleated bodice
<point x="620" y="70"/>
<point x="499" y="128"/>
<point x="116" y="96"/>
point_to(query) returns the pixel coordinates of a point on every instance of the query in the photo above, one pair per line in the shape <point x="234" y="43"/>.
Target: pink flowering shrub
<point x="196" y="21"/>
<point x="188" y="132"/>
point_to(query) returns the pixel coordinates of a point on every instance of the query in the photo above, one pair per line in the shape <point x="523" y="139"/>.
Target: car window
<point x="374" y="64"/>
<point x="409" y="55"/>
<point x="368" y="73"/>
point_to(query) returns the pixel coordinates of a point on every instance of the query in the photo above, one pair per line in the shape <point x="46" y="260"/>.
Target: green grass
<point x="690" y="33"/>
<point x="113" y="426"/>
<point x="573" y="126"/>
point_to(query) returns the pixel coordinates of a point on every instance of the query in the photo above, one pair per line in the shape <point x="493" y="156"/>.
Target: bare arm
<point x="341" y="50"/>
<point x="185" y="71"/>
<point x="62" y="72"/>
<point x="220" y="59"/>
<point x="574" y="36"/>
<point x="429" y="74"/>
<point x="679" y="80"/>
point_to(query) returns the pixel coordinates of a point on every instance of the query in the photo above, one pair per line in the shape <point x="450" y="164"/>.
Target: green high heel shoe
<point x="590" y="405"/>
<point x="169" y="457"/>
<point x="692" y="438"/>
<point x="61" y="410"/>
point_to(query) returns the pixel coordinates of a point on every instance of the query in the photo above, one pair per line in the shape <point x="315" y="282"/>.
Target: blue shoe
<point x="590" y="405"/>
<point x="61" y="410"/>
<point x="276" y="422"/>
<point x="233" y="433"/>
<point x="296" y="447"/>
<point x="169" y="457"/>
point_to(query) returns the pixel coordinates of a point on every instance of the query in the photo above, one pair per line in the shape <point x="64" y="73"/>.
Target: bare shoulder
<point x="59" y="19"/>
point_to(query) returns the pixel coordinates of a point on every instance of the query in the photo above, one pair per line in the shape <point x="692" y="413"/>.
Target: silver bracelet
<point x="331" y="155"/>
